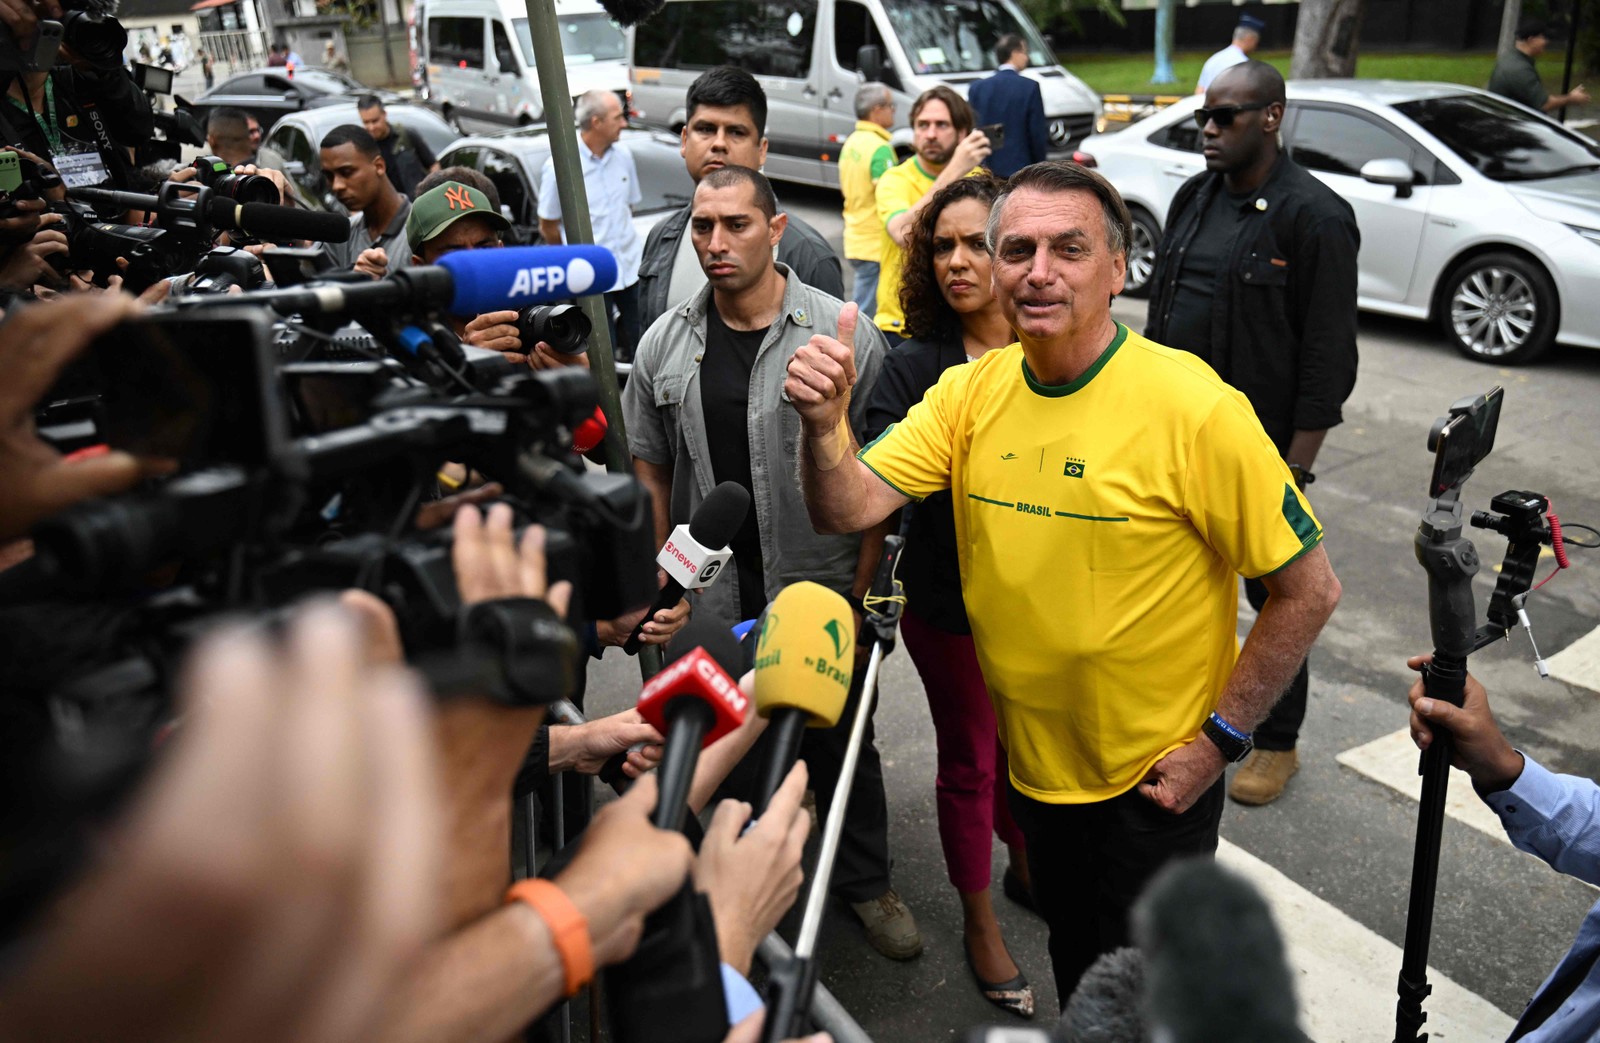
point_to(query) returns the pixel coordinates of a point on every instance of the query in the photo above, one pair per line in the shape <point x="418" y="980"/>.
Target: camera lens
<point x="247" y="188"/>
<point x="95" y="38"/>
<point x="565" y="327"/>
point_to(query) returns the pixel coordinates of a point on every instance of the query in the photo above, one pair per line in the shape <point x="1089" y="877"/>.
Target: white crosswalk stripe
<point x="1579" y="663"/>
<point x="1392" y="761"/>
<point x="1346" y="972"/>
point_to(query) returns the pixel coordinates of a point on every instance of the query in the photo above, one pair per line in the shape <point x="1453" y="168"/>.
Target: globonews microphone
<point x="804" y="664"/>
<point x="693" y="702"/>
<point x="695" y="554"/>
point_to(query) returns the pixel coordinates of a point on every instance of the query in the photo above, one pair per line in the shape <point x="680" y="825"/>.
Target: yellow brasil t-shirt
<point x="864" y="158"/>
<point x="1101" y="526"/>
<point x="898" y="191"/>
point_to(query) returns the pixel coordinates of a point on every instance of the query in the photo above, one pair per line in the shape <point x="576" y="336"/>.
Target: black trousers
<point x="861" y="871"/>
<point x="1281" y="729"/>
<point x="625" y="324"/>
<point x="1090" y="862"/>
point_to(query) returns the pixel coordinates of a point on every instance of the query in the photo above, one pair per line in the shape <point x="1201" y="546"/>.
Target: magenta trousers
<point x="970" y="787"/>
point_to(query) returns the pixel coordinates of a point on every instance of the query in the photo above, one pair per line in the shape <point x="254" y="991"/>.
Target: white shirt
<point x="611" y="182"/>
<point x="1226" y="58"/>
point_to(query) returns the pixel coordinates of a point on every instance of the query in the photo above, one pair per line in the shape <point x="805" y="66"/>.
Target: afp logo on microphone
<point x="575" y="277"/>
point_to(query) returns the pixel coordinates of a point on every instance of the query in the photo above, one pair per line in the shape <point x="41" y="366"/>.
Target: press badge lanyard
<point x="51" y="130"/>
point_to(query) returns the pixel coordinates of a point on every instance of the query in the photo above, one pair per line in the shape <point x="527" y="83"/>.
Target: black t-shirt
<point x="929" y="567"/>
<point x="725" y="397"/>
<point x="406" y="159"/>
<point x="1194" y="299"/>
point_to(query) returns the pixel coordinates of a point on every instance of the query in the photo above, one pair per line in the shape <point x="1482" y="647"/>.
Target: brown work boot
<point x="1262" y="776"/>
<point x="891" y="929"/>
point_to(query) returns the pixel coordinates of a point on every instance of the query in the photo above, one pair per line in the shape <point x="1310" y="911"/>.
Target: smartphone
<point x="1461" y="440"/>
<point x="996" y="133"/>
<point x="196" y="387"/>
<point x="10" y="171"/>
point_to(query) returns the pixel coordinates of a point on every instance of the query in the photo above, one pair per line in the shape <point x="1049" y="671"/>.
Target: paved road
<point x="1335" y="851"/>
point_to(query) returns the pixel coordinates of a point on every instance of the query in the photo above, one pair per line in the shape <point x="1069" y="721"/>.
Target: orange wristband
<point x="567" y="926"/>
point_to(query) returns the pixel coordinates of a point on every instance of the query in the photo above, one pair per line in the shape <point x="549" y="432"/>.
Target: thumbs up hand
<point x="821" y="374"/>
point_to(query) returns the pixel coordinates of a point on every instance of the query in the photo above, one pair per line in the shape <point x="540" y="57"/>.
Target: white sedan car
<point x="1474" y="210"/>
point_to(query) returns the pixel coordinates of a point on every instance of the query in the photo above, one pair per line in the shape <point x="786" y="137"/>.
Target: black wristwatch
<point x="1234" y="744"/>
<point x="531" y="653"/>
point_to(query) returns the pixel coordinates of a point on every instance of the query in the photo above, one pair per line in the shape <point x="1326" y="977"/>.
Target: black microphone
<point x="1213" y="958"/>
<point x="631" y="12"/>
<point x="268" y="221"/>
<point x="693" y="703"/>
<point x="1104" y="1008"/>
<point x="695" y="554"/>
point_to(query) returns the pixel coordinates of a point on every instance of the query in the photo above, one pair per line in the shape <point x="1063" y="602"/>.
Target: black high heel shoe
<point x="1015" y="995"/>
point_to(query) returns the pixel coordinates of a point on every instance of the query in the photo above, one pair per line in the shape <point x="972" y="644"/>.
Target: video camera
<point x="90" y="34"/>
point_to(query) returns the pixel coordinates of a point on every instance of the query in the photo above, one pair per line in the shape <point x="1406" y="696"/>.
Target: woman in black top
<point x="951" y="310"/>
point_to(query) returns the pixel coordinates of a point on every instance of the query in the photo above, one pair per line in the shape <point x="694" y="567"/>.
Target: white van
<point x="811" y="55"/>
<point x="474" y="72"/>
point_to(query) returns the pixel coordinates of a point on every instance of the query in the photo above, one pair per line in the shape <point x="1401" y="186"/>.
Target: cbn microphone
<point x="268" y="221"/>
<point x="693" y="702"/>
<point x="515" y="276"/>
<point x="695" y="554"/>
<point x="803" y="666"/>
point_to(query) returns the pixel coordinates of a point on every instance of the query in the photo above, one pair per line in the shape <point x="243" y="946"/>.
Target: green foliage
<point x="358" y="14"/>
<point x="1067" y="12"/>
<point x="1130" y="73"/>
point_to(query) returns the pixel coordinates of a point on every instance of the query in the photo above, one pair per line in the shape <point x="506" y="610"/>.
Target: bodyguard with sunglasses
<point x="1256" y="274"/>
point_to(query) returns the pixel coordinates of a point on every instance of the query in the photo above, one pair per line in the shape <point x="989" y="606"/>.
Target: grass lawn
<point x="1130" y="74"/>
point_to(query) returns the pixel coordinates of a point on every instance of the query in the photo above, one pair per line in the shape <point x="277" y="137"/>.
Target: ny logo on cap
<point x="459" y="198"/>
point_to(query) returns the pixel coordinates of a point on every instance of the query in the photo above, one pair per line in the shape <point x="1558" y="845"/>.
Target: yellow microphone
<point x="804" y="663"/>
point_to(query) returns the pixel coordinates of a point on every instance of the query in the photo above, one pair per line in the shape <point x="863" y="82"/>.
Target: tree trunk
<point x="1508" y="26"/>
<point x="1326" y="37"/>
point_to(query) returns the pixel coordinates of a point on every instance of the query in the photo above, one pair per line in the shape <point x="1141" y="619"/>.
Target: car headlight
<point x="1591" y="234"/>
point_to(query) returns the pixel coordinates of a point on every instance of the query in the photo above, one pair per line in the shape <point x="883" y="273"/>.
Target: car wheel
<point x="1500" y="308"/>
<point x="1141" y="254"/>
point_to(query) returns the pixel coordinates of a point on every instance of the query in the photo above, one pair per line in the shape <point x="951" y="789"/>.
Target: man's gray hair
<point x="869" y="96"/>
<point x="590" y="105"/>
<point x="1244" y="32"/>
<point x="1061" y="176"/>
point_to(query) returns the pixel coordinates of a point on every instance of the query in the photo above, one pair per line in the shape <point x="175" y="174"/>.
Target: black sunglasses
<point x="1223" y="115"/>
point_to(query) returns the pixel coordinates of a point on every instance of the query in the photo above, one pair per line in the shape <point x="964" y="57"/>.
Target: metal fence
<point x="235" y="51"/>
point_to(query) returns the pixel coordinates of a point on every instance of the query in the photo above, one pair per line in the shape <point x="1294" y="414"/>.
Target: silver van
<point x="811" y="55"/>
<point x="476" y="59"/>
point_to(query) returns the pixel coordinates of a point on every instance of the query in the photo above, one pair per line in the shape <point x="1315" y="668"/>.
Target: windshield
<point x="1500" y="140"/>
<point x="585" y="38"/>
<point x="326" y="81"/>
<point x="944" y="36"/>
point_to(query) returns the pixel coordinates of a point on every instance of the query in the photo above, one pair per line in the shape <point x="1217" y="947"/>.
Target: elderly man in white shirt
<point x="1246" y="38"/>
<point x="612" y="183"/>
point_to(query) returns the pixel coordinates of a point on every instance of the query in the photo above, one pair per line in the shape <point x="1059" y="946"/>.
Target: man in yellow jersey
<point x="947" y="148"/>
<point x="863" y="158"/>
<point x="1109" y="492"/>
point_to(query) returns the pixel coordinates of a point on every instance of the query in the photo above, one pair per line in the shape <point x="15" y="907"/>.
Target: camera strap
<point x="50" y="129"/>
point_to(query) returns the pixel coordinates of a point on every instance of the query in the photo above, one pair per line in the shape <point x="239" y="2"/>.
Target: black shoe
<point x="1015" y="995"/>
<point x="1018" y="891"/>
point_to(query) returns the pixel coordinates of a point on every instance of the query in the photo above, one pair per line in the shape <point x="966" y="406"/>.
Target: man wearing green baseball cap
<point x="454" y="215"/>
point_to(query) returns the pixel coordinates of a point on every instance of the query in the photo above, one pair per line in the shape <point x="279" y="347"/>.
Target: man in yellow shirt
<point x="1109" y="492"/>
<point x="863" y="158"/>
<point x="947" y="148"/>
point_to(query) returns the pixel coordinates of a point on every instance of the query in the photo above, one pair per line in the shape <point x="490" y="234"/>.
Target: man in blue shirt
<point x="611" y="182"/>
<point x="1545" y="815"/>
<point x="1014" y="101"/>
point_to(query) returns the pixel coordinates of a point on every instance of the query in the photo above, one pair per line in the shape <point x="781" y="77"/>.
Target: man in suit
<point x="1013" y="100"/>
